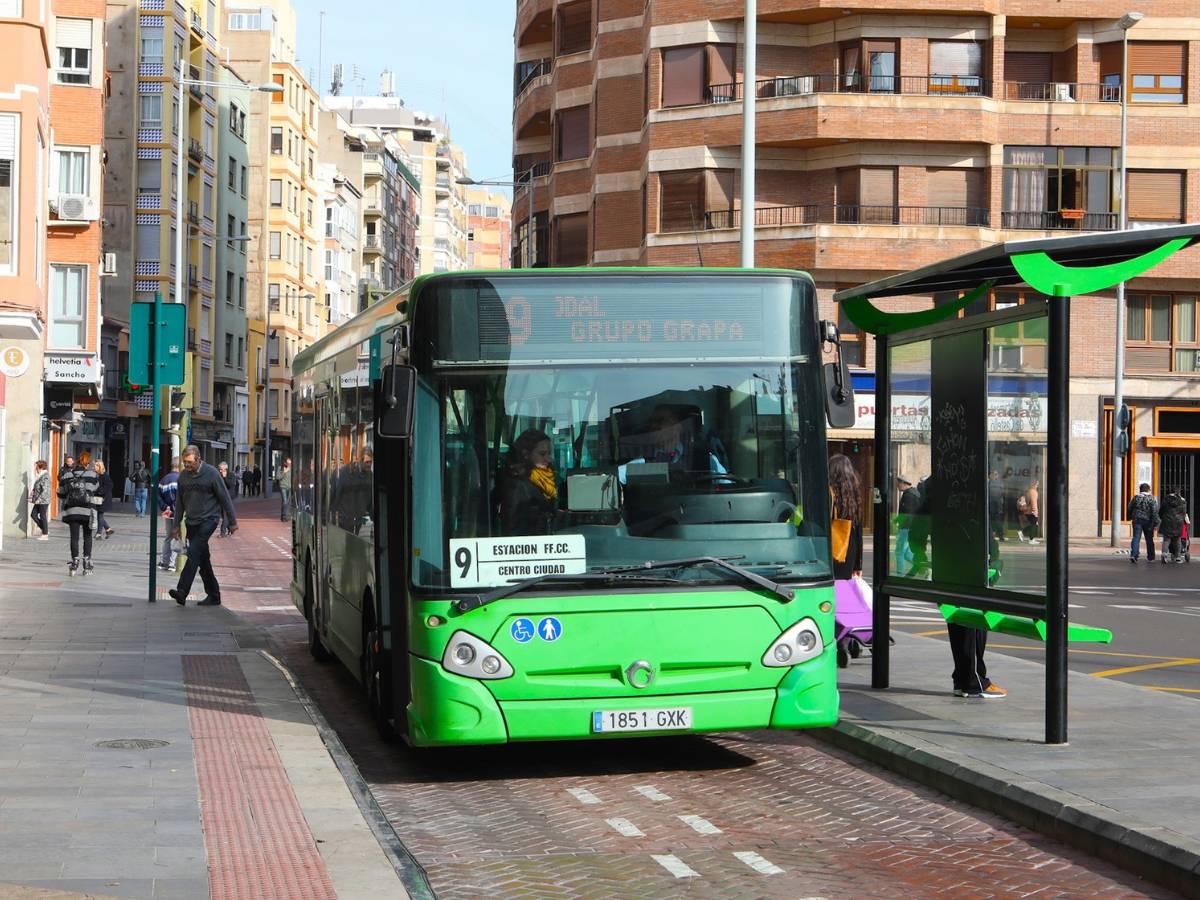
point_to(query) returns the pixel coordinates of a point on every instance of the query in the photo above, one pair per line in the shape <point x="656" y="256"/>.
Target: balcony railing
<point x="525" y="72"/>
<point x="195" y="150"/>
<point x="853" y="83"/>
<point x="540" y="164"/>
<point x="194" y="74"/>
<point x="193" y="276"/>
<point x="848" y="214"/>
<point x="193" y="212"/>
<point x="1058" y="220"/>
<point x="197" y="23"/>
<point x="371" y="242"/>
<point x="1062" y="91"/>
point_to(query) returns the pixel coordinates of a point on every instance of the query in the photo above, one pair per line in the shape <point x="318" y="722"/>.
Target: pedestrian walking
<point x="201" y="499"/>
<point x="1172" y="516"/>
<point x="1143" y="519"/>
<point x="237" y="479"/>
<point x="256" y="481"/>
<point x="231" y="486"/>
<point x="284" y="480"/>
<point x="78" y="489"/>
<point x="168" y="487"/>
<point x="39" y="499"/>
<point x="105" y="493"/>
<point x="1029" y="508"/>
<point x="910" y="502"/>
<point x="141" y="488"/>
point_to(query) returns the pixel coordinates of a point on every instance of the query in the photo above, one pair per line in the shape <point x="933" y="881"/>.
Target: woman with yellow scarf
<point x="529" y="487"/>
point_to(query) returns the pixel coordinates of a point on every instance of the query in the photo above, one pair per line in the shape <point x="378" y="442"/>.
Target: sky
<point x="451" y="58"/>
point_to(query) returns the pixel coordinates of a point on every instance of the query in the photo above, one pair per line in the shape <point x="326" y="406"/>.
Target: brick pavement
<point x="608" y="820"/>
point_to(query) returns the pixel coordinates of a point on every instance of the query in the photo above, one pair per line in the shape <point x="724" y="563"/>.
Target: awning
<point x="1181" y="442"/>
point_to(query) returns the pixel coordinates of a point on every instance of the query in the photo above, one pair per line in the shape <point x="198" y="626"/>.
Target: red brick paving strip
<point x="258" y="842"/>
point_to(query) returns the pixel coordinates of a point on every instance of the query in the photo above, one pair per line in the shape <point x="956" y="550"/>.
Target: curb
<point x="1156" y="854"/>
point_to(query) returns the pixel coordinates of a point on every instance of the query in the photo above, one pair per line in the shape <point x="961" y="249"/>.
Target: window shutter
<point x="573" y="133"/>
<point x="956" y="188"/>
<point x="73" y="33"/>
<point x="1110" y="58"/>
<point x="8" y="137"/>
<point x="722" y="63"/>
<point x="1029" y="68"/>
<point x="877" y="186"/>
<point x="682" y="201"/>
<point x="683" y="76"/>
<point x="1156" y="196"/>
<point x="955" y="58"/>
<point x="1157" y="59"/>
<point x="720" y="191"/>
<point x="571" y="240"/>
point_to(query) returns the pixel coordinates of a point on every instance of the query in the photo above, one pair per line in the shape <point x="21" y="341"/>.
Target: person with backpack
<point x="1172" y="515"/>
<point x="39" y="499"/>
<point x="78" y="489"/>
<point x="1144" y="519"/>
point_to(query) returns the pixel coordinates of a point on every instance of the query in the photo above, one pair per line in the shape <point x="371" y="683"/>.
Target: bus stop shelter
<point x="974" y="401"/>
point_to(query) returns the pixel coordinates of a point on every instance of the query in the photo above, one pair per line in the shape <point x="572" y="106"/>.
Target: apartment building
<point x="489" y="228"/>
<point x="342" y="207"/>
<point x="283" y="279"/>
<point x="887" y="139"/>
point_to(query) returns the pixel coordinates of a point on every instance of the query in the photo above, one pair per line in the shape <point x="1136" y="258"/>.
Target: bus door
<point x="322" y="463"/>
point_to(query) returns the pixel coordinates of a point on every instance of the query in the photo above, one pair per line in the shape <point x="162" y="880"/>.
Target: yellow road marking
<point x="1034" y="645"/>
<point x="1145" y="667"/>
<point x="1173" y="690"/>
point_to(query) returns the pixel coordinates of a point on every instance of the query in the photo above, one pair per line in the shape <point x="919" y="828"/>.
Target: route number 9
<point x="520" y="320"/>
<point x="462" y="559"/>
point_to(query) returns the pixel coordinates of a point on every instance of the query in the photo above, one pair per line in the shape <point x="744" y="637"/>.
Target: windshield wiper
<point x="466" y="604"/>
<point x="724" y="563"/>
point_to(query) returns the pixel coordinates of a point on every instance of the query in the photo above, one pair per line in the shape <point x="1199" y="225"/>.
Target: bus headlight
<point x="798" y="644"/>
<point x="474" y="657"/>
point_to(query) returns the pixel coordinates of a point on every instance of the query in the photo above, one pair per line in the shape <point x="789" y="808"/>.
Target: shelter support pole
<point x="1055" y="501"/>
<point x="881" y="556"/>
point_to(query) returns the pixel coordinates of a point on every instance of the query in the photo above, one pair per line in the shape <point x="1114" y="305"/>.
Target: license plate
<point x="676" y="718"/>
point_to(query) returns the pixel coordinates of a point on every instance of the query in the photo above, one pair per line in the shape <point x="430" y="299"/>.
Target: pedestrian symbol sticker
<point x="522" y="631"/>
<point x="549" y="629"/>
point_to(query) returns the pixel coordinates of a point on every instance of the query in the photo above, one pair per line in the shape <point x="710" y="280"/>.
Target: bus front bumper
<point x="448" y="709"/>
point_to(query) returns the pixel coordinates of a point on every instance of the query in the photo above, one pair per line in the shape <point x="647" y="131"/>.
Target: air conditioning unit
<point x="75" y="207"/>
<point x="110" y="264"/>
<point x="1062" y="91"/>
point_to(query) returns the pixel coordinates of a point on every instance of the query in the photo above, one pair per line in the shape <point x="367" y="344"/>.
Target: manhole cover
<point x="133" y="744"/>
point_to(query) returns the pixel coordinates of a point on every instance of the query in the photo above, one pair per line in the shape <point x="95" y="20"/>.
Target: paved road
<point x="746" y="815"/>
<point x="1152" y="609"/>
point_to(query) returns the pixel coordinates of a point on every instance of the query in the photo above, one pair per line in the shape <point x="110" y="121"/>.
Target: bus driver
<point x="670" y="446"/>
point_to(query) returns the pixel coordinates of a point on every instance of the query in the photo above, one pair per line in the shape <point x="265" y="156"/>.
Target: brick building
<point x="887" y="138"/>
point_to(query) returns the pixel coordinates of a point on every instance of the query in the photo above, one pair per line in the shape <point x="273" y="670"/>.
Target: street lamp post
<point x="181" y="178"/>
<point x="529" y="187"/>
<point x="749" y="147"/>
<point x="1126" y="22"/>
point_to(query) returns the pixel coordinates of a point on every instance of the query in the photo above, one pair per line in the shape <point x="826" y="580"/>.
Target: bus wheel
<point x="373" y="679"/>
<point x="315" y="646"/>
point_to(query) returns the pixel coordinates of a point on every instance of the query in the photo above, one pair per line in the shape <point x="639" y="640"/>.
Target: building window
<point x="1155" y="197"/>
<point x="245" y="21"/>
<point x="574" y="32"/>
<point x="273" y="296"/>
<point x="871" y="66"/>
<point x="230" y="230"/>
<point x="229" y="288"/>
<point x="276" y="139"/>
<point x="1161" y="333"/>
<point x="867" y="195"/>
<point x="955" y="67"/>
<point x="68" y="307"/>
<point x="276" y="192"/>
<point x="245" y="179"/>
<point x="1156" y="72"/>
<point x="150" y="110"/>
<point x="8" y="192"/>
<point x="572" y="134"/>
<point x="242" y="234"/>
<point x="207" y="200"/>
<point x="241" y="356"/>
<point x="241" y="292"/>
<point x="571" y="240"/>
<point x="73" y="39"/>
<point x="152" y="45"/>
<point x="276" y="249"/>
<point x="229" y="362"/>
<point x="1059" y="187"/>
<point x="700" y="74"/>
<point x="310" y="212"/>
<point x="72" y="168"/>
<point x="956" y="197"/>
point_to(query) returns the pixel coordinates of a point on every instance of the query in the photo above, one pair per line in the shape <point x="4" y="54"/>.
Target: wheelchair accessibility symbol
<point x="522" y="631"/>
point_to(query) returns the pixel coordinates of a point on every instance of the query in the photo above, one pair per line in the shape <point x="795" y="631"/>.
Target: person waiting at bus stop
<point x="528" y="486"/>
<point x="200" y="501"/>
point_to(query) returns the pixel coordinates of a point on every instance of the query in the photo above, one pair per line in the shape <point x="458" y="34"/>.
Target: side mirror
<point x="839" y="395"/>
<point x="398" y="397"/>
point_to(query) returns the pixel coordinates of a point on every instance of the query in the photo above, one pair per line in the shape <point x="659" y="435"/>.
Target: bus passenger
<point x="528" y="486"/>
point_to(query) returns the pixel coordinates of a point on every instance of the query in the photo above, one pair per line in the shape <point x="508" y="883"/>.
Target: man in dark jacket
<point x="1143" y="518"/>
<point x="200" y="501"/>
<point x="231" y="487"/>
<point x="1173" y="514"/>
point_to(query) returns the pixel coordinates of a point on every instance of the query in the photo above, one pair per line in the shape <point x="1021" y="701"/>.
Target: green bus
<point x="555" y="504"/>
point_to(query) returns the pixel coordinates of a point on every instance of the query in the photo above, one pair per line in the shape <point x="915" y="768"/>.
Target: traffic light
<point x="176" y="411"/>
<point x="1122" y="433"/>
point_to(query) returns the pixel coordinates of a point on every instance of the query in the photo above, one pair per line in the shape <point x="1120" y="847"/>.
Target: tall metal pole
<point x="266" y="467"/>
<point x="749" y="110"/>
<point x="884" y="479"/>
<point x="1054" y="499"/>
<point x="1117" y="504"/>
<point x="529" y="247"/>
<point x="155" y="404"/>
<point x="181" y="242"/>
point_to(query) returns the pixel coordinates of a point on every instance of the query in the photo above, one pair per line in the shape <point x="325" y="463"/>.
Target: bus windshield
<point x="584" y="423"/>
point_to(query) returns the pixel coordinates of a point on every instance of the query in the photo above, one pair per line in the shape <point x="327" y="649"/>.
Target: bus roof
<point x="387" y="312"/>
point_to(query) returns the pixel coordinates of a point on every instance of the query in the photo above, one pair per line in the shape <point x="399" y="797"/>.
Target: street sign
<point x="172" y="333"/>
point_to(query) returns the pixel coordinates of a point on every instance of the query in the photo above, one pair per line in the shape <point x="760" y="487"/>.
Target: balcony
<point x="197" y="23"/>
<point x="535" y="22"/>
<point x="856" y="83"/>
<point x="1062" y="92"/>
<point x="1058" y="220"/>
<point x="194" y="74"/>
<point x="193" y="213"/>
<point x="195" y="150"/>
<point x="847" y="214"/>
<point x="371" y="244"/>
<point x="193" y="276"/>
<point x="536" y="164"/>
<point x="527" y="72"/>
<point x="191" y="339"/>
